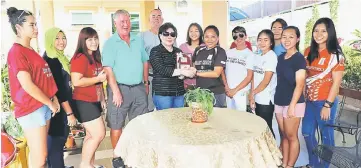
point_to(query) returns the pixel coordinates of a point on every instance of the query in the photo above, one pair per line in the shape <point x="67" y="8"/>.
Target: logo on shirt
<point x="257" y="69"/>
<point x="322" y="61"/>
<point x="236" y="61"/>
<point x="209" y="57"/>
<point x="47" y="71"/>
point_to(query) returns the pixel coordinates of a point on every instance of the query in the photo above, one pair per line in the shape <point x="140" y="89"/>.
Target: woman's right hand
<point x="252" y="102"/>
<point x="102" y="76"/>
<point x="54" y="107"/>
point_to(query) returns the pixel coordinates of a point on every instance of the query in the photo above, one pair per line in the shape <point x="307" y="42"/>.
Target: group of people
<point x="51" y="93"/>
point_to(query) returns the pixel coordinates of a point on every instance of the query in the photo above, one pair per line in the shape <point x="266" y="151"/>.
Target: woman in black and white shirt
<point x="168" y="86"/>
<point x="210" y="60"/>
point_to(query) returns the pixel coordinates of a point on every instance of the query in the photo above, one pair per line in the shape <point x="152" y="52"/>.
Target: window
<point x="134" y="19"/>
<point x="82" y="18"/>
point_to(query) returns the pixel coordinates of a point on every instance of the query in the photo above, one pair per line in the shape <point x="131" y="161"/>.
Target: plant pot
<point x="199" y="115"/>
<point x="69" y="142"/>
<point x="78" y="141"/>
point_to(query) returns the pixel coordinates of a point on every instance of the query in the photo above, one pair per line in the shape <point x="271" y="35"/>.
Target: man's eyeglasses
<point x="240" y="35"/>
<point x="172" y="34"/>
<point x="24" y="11"/>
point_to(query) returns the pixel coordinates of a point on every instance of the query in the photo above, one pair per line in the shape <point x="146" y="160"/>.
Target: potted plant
<point x="78" y="134"/>
<point x="201" y="103"/>
<point x="8" y="120"/>
<point x="69" y="142"/>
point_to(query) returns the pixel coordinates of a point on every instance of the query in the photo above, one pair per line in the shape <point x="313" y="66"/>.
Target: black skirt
<point x="87" y="111"/>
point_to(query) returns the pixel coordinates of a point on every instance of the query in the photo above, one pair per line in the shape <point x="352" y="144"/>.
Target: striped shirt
<point x="164" y="63"/>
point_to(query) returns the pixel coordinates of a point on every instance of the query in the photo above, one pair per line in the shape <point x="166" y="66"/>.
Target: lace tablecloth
<point x="168" y="139"/>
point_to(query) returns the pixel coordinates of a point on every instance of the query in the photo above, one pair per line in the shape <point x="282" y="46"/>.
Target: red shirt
<point x="24" y="59"/>
<point x="81" y="64"/>
<point x="248" y="44"/>
<point x="320" y="88"/>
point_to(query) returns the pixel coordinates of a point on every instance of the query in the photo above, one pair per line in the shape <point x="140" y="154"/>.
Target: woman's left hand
<point x="325" y="113"/>
<point x="104" y="105"/>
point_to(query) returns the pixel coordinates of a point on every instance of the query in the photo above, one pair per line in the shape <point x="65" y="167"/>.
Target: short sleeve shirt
<point x="24" y="59"/>
<point x="205" y="60"/>
<point x="279" y="49"/>
<point x="150" y="40"/>
<point x="286" y="78"/>
<point x="262" y="64"/>
<point x="125" y="60"/>
<point x="238" y="63"/>
<point x="81" y="64"/>
<point x="320" y="73"/>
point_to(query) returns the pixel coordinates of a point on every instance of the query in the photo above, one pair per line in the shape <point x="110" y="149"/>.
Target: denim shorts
<point x="35" y="119"/>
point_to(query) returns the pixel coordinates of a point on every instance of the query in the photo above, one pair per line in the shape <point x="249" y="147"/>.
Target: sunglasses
<point x="24" y="11"/>
<point x="240" y="35"/>
<point x="169" y="34"/>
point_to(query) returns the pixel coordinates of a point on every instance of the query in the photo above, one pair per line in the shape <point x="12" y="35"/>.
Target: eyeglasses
<point x="24" y="11"/>
<point x="240" y="35"/>
<point x="172" y="34"/>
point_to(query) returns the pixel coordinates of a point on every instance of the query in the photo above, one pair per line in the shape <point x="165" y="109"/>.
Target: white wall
<point x="181" y="20"/>
<point x="348" y="20"/>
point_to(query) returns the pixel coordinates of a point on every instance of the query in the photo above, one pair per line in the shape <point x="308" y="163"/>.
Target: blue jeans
<point x="55" y="157"/>
<point x="55" y="145"/>
<point x="310" y="122"/>
<point x="166" y="102"/>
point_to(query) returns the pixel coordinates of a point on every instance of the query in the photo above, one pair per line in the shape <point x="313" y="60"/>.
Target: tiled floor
<point x="104" y="153"/>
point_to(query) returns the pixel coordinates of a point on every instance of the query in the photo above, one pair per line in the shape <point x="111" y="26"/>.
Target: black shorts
<point x="87" y="111"/>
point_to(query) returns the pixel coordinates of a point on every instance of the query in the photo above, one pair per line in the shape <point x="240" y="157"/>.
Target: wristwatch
<point x="146" y="82"/>
<point x="329" y="103"/>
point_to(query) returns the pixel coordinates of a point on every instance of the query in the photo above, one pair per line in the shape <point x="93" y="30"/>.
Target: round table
<point x="168" y="139"/>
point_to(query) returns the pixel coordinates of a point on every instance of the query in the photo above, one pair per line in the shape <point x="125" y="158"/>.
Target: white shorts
<point x="238" y="102"/>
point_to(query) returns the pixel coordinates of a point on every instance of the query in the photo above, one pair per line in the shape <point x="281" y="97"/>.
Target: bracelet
<point x="69" y="114"/>
<point x="329" y="103"/>
<point x="324" y="105"/>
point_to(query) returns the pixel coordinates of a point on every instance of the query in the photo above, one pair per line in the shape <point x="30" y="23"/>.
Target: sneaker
<point x="99" y="166"/>
<point x="69" y="167"/>
<point x="118" y="163"/>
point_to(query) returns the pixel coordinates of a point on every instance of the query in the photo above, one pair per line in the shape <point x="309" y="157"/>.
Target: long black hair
<point x="85" y="33"/>
<point x="270" y="35"/>
<point x="331" y="44"/>
<point x="298" y="34"/>
<point x="189" y="40"/>
<point x="17" y="17"/>
<point x="281" y="21"/>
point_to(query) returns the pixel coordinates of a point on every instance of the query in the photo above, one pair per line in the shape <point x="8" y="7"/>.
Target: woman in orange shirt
<point x="325" y="66"/>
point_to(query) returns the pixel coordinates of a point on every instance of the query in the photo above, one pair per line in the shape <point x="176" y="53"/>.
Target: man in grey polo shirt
<point x="126" y="64"/>
<point x="150" y="39"/>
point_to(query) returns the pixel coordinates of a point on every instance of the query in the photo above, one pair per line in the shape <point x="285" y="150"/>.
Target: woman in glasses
<point x="194" y="40"/>
<point x="210" y="60"/>
<point x="248" y="44"/>
<point x="168" y="86"/>
<point x="239" y="71"/>
<point x="32" y="86"/>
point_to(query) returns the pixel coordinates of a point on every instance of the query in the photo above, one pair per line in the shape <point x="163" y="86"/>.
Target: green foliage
<point x="309" y="25"/>
<point x="203" y="96"/>
<point x="12" y="127"/>
<point x="333" y="10"/>
<point x="5" y="89"/>
<point x="352" y="52"/>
